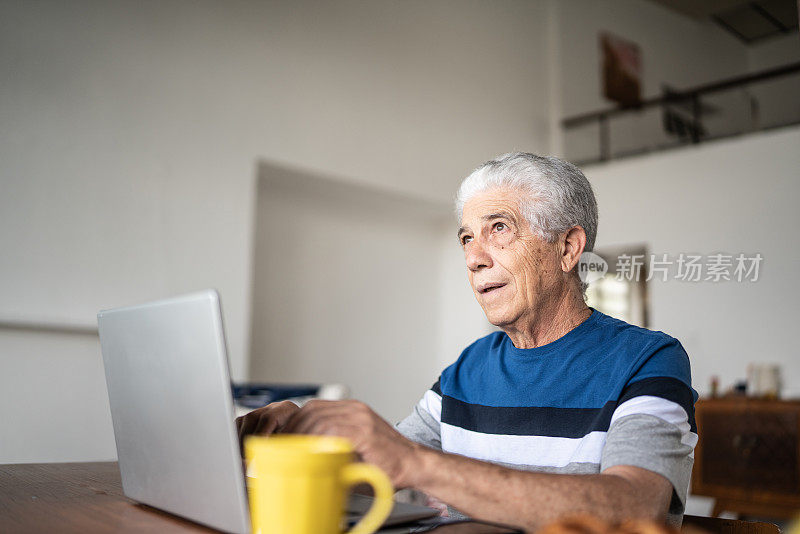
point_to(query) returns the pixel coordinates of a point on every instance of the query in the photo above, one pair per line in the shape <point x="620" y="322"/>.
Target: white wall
<point x="732" y="196"/>
<point x="55" y="405"/>
<point x="774" y="52"/>
<point x="778" y="100"/>
<point x="345" y="288"/>
<point x="131" y="133"/>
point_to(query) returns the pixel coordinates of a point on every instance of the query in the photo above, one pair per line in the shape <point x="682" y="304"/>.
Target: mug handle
<point x="382" y="505"/>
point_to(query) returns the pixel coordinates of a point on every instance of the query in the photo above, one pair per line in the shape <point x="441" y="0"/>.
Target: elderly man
<point x="563" y="411"/>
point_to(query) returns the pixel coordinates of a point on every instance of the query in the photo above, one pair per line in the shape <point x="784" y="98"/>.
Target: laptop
<point x="172" y="408"/>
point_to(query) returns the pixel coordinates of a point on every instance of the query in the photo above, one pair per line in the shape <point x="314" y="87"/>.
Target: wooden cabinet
<point x="748" y="456"/>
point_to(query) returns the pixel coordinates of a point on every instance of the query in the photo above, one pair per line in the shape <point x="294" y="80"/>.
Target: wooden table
<point x="87" y="498"/>
<point x="79" y="498"/>
<point x="82" y="498"/>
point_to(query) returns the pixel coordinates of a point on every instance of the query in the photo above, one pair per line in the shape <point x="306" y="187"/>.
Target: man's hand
<point x="267" y="420"/>
<point x="374" y="439"/>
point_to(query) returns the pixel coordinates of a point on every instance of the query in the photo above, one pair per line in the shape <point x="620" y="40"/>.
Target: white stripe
<point x="432" y="403"/>
<point x="669" y="411"/>
<point x="523" y="450"/>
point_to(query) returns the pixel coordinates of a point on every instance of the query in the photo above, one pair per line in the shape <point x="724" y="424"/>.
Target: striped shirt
<point x="607" y="393"/>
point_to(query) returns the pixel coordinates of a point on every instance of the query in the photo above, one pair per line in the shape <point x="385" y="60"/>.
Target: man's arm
<point x="483" y="490"/>
<point x="530" y="500"/>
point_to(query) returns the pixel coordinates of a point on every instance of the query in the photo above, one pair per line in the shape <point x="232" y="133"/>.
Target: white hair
<point x="554" y="194"/>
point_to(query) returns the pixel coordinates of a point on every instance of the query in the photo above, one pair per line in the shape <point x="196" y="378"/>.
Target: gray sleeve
<point x="649" y="442"/>
<point x="422" y="427"/>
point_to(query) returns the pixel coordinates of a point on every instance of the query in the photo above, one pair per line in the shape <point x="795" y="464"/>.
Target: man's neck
<point x="550" y="323"/>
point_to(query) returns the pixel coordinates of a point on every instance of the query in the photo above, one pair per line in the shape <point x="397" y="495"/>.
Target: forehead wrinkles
<point x="493" y="203"/>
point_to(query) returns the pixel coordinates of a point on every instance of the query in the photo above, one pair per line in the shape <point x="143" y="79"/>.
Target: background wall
<point x="777" y="99"/>
<point x="54" y="400"/>
<point x="732" y="196"/>
<point x="774" y="52"/>
<point x="137" y="128"/>
<point x="131" y="133"/>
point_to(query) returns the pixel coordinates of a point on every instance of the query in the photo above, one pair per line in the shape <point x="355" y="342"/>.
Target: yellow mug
<point x="298" y="484"/>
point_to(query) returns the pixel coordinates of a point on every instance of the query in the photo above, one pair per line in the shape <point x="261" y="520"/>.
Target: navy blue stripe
<point x="558" y="422"/>
<point x="526" y="421"/>
<point x="436" y="388"/>
<point x="667" y="388"/>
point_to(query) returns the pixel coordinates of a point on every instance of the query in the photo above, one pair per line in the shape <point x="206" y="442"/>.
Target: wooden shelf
<point x="748" y="455"/>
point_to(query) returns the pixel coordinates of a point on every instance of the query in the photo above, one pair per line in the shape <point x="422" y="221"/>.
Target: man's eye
<point x="500" y="226"/>
<point x="466" y="239"/>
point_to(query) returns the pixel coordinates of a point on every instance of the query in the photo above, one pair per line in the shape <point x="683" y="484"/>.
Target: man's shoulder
<point x="617" y="329"/>
<point x="649" y="353"/>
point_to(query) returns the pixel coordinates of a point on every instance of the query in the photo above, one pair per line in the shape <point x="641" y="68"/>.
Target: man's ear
<point x="573" y="244"/>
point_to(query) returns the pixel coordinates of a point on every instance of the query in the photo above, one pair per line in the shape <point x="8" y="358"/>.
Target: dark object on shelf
<point x="747" y="457"/>
<point x="714" y="386"/>
<point x="256" y="395"/>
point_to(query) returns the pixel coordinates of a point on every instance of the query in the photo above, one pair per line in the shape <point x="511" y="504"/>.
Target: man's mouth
<point x="489" y="287"/>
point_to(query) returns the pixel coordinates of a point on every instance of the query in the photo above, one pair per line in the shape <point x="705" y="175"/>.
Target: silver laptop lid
<point x="172" y="408"/>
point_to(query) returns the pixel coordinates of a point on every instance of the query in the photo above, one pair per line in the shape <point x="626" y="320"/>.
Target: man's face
<point x="513" y="272"/>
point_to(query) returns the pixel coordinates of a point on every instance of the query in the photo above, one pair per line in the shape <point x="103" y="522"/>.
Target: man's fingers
<point x="266" y="425"/>
<point x="246" y="426"/>
<point x="294" y="422"/>
<point x="326" y="425"/>
<point x="264" y="420"/>
<point x="309" y="414"/>
<point x="310" y="418"/>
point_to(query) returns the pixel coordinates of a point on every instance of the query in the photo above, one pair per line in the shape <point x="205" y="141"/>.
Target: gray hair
<point x="557" y="196"/>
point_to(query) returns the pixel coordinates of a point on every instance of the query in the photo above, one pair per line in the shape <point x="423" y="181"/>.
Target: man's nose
<point x="478" y="256"/>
